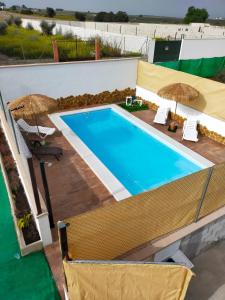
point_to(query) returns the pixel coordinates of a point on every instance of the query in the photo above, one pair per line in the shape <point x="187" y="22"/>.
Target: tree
<point x="2" y="4"/>
<point x="80" y="16"/>
<point x="121" y="16"/>
<point x="46" y="27"/>
<point x="14" y="7"/>
<point x="26" y="11"/>
<point x="50" y="12"/>
<point x="100" y="16"/>
<point x="196" y="15"/>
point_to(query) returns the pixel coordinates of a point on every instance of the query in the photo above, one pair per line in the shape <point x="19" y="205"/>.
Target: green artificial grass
<point x="134" y="108"/>
<point x="26" y="277"/>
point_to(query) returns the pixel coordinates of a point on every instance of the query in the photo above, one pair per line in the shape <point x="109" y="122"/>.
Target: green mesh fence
<point x="26" y="277"/>
<point x="204" y="67"/>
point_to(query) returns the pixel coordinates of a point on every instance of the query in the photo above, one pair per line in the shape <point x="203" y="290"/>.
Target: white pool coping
<point x="109" y="180"/>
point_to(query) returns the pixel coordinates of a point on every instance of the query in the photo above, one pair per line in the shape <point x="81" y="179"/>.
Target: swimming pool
<point x="138" y="159"/>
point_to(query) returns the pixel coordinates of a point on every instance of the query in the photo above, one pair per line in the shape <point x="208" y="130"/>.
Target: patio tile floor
<point x="75" y="189"/>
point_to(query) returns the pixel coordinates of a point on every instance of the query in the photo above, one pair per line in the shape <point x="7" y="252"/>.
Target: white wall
<point x="109" y="32"/>
<point x="211" y="123"/>
<point x="151" y="51"/>
<point x="150" y="30"/>
<point x="64" y="79"/>
<point x="193" y="49"/>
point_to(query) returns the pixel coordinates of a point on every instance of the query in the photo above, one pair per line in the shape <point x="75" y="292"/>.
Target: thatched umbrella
<point x="179" y="92"/>
<point x="32" y="105"/>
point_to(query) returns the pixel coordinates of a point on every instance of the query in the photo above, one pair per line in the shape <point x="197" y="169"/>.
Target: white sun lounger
<point x="41" y="131"/>
<point x="161" y="115"/>
<point x="190" y="132"/>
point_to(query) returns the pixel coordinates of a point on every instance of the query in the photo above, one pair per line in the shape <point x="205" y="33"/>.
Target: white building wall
<point x="193" y="49"/>
<point x="64" y="79"/>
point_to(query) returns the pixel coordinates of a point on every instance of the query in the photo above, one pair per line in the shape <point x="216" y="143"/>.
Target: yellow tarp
<point x="89" y="281"/>
<point x="108" y="232"/>
<point x="212" y="100"/>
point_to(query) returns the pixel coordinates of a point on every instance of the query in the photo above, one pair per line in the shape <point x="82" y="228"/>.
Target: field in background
<point x="21" y="43"/>
<point x="70" y="16"/>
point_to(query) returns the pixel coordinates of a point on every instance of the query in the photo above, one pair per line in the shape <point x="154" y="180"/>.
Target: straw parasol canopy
<point x="179" y="92"/>
<point x="32" y="105"/>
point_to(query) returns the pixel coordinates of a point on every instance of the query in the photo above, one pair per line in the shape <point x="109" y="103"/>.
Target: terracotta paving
<point x="206" y="147"/>
<point x="74" y="188"/>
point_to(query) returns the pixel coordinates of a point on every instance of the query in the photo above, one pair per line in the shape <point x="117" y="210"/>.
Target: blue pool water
<point x="138" y="160"/>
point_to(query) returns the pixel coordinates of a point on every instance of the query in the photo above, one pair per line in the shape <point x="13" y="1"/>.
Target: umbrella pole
<point x="175" y="109"/>
<point x="35" y="118"/>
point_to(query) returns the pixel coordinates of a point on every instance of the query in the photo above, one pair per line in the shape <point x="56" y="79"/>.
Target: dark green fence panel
<point x="166" y="51"/>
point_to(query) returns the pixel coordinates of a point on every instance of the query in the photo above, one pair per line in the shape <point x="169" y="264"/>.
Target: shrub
<point x="9" y="20"/>
<point x="18" y="21"/>
<point x="47" y="28"/>
<point x="68" y="35"/>
<point x="24" y="222"/>
<point x="3" y="27"/>
<point x="30" y="26"/>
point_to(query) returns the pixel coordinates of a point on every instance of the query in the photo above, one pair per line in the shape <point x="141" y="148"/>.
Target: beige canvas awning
<point x="212" y="94"/>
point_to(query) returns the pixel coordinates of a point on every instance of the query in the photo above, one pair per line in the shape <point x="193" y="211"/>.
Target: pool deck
<point x="75" y="189"/>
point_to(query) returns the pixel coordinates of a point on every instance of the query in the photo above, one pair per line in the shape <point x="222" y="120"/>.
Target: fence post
<point x="47" y="195"/>
<point x="63" y="239"/>
<point x="3" y="106"/>
<point x="55" y="51"/>
<point x="34" y="185"/>
<point x="14" y="131"/>
<point x="147" y="46"/>
<point x="97" y="49"/>
<point x="203" y="194"/>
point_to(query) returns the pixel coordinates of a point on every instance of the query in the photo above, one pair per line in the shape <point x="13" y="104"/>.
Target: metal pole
<point x="63" y="239"/>
<point x="63" y="244"/>
<point x="175" y="109"/>
<point x="14" y="131"/>
<point x="203" y="193"/>
<point x="34" y="185"/>
<point x="3" y="106"/>
<point x="47" y="195"/>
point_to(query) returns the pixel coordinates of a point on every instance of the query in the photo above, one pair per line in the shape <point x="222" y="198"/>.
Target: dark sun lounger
<point x="50" y="151"/>
<point x="38" y="150"/>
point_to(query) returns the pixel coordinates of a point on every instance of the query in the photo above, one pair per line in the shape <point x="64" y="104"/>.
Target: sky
<point x="173" y="8"/>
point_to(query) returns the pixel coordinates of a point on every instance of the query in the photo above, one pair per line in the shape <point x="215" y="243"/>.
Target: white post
<point x="42" y="222"/>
